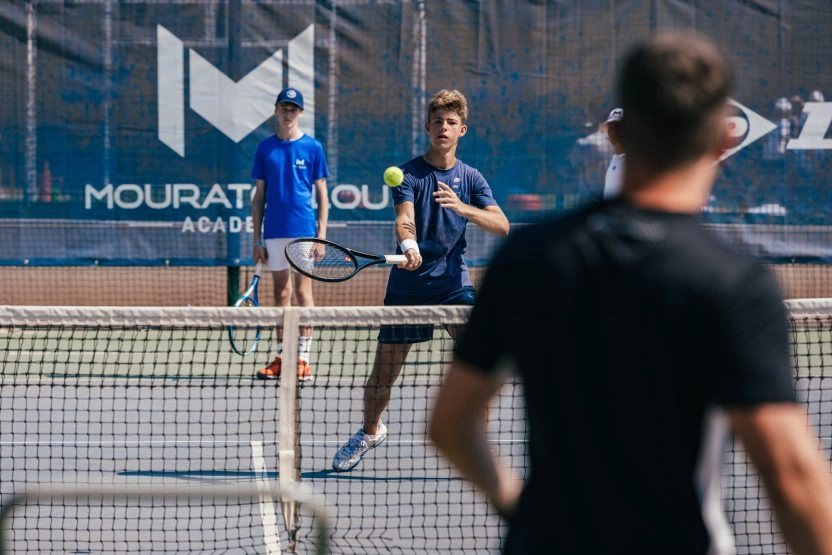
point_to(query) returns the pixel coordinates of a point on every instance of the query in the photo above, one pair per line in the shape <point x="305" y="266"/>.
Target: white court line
<point x="271" y="537"/>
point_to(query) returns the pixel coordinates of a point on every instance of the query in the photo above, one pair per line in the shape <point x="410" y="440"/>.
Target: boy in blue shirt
<point x="289" y="168"/>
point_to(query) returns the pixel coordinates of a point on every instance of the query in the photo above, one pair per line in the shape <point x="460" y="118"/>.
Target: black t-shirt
<point x="630" y="329"/>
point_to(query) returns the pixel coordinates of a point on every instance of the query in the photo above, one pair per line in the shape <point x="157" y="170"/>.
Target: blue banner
<point x="128" y="130"/>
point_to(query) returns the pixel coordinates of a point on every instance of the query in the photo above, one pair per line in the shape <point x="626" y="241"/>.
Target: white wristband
<point x="409" y="244"/>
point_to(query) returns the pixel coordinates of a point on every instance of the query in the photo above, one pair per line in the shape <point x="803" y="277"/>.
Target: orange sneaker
<point x="304" y="371"/>
<point x="272" y="371"/>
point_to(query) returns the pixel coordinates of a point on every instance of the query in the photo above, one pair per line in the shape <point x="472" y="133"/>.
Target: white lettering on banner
<point x="217" y="196"/>
<point x="129" y="196"/>
<point x="813" y="133"/>
<point x="380" y="205"/>
<point x="90" y="193"/>
<point x="235" y="224"/>
<point x="204" y="224"/>
<point x="148" y="196"/>
<point x="239" y="190"/>
<point x="185" y="193"/>
<point x="347" y="196"/>
<point x="175" y="196"/>
<point x="131" y="190"/>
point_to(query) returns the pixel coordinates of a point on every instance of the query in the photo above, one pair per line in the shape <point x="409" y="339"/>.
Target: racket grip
<point x="258" y="268"/>
<point x="394" y="258"/>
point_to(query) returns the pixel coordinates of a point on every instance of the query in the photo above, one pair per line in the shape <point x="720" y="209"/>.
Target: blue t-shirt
<point x="440" y="232"/>
<point x="290" y="169"/>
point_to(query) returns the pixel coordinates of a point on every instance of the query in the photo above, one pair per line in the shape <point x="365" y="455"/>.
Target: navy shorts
<point x="418" y="334"/>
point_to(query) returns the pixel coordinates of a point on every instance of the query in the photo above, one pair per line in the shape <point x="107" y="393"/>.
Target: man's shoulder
<point x="306" y="138"/>
<point x="470" y="171"/>
<point x="730" y="271"/>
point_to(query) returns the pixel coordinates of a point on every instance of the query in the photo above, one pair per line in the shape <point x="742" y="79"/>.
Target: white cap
<point x="615" y="115"/>
<point x="783" y="104"/>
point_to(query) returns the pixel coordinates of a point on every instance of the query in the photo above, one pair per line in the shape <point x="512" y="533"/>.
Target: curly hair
<point x="453" y="100"/>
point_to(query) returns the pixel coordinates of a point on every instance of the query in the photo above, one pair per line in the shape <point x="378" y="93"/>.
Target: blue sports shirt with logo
<point x="440" y="232"/>
<point x="290" y="169"/>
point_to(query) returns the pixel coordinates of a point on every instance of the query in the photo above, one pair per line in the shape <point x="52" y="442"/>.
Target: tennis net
<point x="155" y="396"/>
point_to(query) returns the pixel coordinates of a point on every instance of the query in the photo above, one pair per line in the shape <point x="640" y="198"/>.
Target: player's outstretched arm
<point x="490" y="218"/>
<point x="778" y="441"/>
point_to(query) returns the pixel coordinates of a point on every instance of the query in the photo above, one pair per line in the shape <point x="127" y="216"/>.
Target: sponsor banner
<point x="129" y="129"/>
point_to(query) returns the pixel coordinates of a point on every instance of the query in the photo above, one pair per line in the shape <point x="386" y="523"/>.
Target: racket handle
<point x="394" y="258"/>
<point x="258" y="268"/>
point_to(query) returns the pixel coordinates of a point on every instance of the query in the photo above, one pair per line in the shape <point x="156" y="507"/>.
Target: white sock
<point x="279" y="347"/>
<point x="304" y="345"/>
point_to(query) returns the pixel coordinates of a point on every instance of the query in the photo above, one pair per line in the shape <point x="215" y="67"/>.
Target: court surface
<point x="79" y="414"/>
<point x="177" y="409"/>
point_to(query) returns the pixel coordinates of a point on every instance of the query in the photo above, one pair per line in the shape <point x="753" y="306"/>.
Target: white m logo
<point x="238" y="108"/>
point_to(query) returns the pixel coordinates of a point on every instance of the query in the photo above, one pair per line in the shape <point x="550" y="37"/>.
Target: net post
<point x="287" y="430"/>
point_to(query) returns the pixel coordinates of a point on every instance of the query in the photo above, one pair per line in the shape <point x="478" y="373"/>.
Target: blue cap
<point x="290" y="95"/>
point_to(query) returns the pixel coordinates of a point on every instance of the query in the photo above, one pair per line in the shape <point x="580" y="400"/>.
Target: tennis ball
<point x="393" y="176"/>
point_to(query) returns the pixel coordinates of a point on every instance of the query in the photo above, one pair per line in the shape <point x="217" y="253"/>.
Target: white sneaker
<point x="351" y="453"/>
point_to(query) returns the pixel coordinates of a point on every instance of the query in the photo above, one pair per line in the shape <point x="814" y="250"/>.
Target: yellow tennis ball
<point x="393" y="176"/>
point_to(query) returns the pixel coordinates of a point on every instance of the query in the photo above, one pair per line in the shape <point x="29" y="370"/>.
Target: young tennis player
<point x="643" y="342"/>
<point x="439" y="196"/>
<point x="289" y="169"/>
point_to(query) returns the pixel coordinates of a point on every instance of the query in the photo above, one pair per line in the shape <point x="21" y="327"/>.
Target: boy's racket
<point x="244" y="339"/>
<point x="327" y="261"/>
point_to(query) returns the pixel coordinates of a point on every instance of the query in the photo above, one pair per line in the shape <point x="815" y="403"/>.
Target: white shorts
<point x="276" y="254"/>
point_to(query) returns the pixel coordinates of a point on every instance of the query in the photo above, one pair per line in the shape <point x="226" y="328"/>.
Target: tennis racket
<point x="327" y="261"/>
<point x="244" y="339"/>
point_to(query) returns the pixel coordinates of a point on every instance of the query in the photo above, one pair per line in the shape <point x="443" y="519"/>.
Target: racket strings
<point x="325" y="261"/>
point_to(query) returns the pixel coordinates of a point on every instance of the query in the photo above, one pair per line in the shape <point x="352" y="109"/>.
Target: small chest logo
<point x="300" y="164"/>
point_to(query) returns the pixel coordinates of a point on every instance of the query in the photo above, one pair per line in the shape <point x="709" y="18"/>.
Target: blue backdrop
<point x="127" y="131"/>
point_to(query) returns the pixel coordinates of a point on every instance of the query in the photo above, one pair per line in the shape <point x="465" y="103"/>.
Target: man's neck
<point x="683" y="190"/>
<point x="289" y="134"/>
<point x="440" y="160"/>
